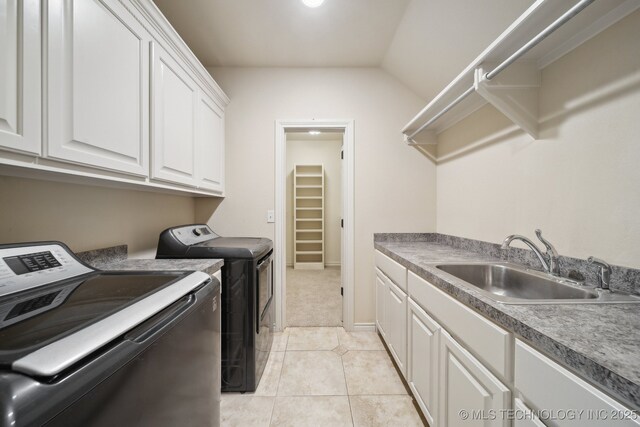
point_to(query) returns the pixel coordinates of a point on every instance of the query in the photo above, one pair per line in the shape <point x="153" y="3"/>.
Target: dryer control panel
<point x="28" y="266"/>
<point x="193" y="234"/>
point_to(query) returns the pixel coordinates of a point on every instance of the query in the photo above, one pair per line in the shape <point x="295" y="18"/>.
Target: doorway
<point x="314" y="238"/>
<point x="314" y="223"/>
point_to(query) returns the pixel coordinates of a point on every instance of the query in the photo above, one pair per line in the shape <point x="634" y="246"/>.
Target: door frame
<point x="280" y="240"/>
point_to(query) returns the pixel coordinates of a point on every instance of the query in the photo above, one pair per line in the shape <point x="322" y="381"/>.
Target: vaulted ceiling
<point x="423" y="43"/>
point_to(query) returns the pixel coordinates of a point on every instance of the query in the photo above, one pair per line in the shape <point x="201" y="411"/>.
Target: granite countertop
<point x="115" y="258"/>
<point x="209" y="266"/>
<point x="599" y="341"/>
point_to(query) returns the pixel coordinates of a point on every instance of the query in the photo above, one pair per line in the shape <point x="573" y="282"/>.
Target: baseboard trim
<point x="364" y="327"/>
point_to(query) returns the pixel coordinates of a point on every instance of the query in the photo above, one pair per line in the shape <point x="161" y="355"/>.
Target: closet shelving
<point x="308" y="220"/>
<point x="507" y="73"/>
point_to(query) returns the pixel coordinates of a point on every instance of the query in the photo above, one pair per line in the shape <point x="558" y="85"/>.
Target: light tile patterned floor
<point x="324" y="376"/>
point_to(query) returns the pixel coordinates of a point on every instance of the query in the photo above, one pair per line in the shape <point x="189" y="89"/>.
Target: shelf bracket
<point x="514" y="93"/>
<point x="426" y="137"/>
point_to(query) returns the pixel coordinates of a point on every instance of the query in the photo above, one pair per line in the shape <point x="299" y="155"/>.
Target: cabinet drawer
<point x="394" y="271"/>
<point x="545" y="385"/>
<point x="489" y="342"/>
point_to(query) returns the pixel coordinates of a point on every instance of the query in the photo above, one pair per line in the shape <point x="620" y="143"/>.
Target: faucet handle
<point x="605" y="271"/>
<point x="546" y="243"/>
<point x="552" y="253"/>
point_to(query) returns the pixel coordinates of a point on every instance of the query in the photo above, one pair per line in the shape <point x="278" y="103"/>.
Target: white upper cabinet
<point x="106" y="89"/>
<point x="98" y="80"/>
<point x="175" y="103"/>
<point x="20" y="94"/>
<point x="210" y="143"/>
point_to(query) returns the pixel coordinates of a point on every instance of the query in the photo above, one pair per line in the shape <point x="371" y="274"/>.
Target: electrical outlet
<point x="271" y="216"/>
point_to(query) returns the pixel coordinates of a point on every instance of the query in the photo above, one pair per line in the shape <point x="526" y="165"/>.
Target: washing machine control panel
<point x="26" y="267"/>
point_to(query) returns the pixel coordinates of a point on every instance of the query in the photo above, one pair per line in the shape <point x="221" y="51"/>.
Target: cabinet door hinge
<point x="341" y="291"/>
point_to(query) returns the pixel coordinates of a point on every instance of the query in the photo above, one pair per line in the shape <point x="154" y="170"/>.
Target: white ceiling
<point x="423" y="43"/>
<point x="286" y="33"/>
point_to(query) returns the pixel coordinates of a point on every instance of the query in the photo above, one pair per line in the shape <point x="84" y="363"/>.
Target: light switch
<point x="271" y="216"/>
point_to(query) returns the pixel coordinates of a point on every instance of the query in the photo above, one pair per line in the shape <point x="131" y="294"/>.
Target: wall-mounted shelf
<point x="308" y="219"/>
<point x="507" y="73"/>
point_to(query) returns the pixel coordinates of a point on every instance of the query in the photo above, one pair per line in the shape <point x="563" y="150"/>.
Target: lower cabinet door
<point x="422" y="360"/>
<point x="469" y="394"/>
<point x="524" y="416"/>
<point x="396" y="324"/>
<point x="381" y="291"/>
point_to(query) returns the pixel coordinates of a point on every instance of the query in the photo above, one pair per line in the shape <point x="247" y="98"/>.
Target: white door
<point x="423" y="360"/>
<point x="98" y="85"/>
<point x="469" y="394"/>
<point x="20" y="91"/>
<point x="210" y="143"/>
<point x="174" y="99"/>
<point x="396" y="324"/>
<point x="381" y="295"/>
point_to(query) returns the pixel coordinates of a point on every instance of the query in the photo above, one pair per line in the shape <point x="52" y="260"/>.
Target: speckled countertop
<point x="209" y="266"/>
<point x="599" y="341"/>
<point x="115" y="258"/>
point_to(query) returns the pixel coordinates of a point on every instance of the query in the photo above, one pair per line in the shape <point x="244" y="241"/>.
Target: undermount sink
<point x="511" y="284"/>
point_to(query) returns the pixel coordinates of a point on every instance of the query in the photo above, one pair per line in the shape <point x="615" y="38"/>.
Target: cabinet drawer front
<point x="467" y="385"/>
<point x="545" y="385"/>
<point x="488" y="341"/>
<point x="394" y="271"/>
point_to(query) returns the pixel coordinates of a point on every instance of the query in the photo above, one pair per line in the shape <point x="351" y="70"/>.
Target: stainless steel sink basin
<point x="512" y="284"/>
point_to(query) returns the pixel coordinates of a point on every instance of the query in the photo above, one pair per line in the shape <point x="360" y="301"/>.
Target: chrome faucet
<point x="550" y="267"/>
<point x="605" y="271"/>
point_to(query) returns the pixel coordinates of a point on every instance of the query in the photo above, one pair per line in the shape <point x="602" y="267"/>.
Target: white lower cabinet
<point x="461" y="367"/>
<point x="563" y="398"/>
<point x="381" y="292"/>
<point x="524" y="416"/>
<point x="469" y="394"/>
<point x="423" y="347"/>
<point x="395" y="307"/>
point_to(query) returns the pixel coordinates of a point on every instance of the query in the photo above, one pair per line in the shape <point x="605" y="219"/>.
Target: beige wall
<point x="327" y="153"/>
<point x="580" y="183"/>
<point x="394" y="186"/>
<point x="88" y="217"/>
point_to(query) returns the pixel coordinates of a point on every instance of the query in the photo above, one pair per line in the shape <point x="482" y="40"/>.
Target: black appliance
<point x="82" y="347"/>
<point x="247" y="297"/>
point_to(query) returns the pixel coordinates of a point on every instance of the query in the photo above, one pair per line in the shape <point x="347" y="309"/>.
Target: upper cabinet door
<point x="210" y="143"/>
<point x="174" y="100"/>
<point x="97" y="85"/>
<point x="20" y="75"/>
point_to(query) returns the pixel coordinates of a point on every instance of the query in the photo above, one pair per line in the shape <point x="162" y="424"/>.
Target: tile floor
<point x="313" y="297"/>
<point x="324" y="376"/>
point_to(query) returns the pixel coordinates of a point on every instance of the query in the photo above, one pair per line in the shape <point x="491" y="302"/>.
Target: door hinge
<point x="342" y="155"/>
<point x="341" y="291"/>
<point x="341" y="223"/>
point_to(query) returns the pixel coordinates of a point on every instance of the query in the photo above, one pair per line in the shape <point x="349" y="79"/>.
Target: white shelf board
<point x="589" y="22"/>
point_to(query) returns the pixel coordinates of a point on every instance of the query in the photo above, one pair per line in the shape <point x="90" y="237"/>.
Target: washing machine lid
<point x="47" y="329"/>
